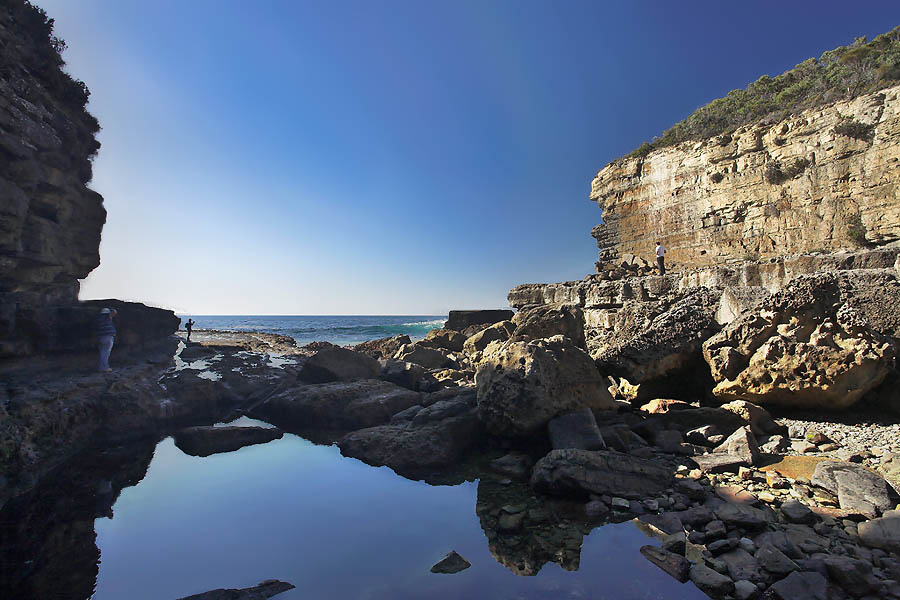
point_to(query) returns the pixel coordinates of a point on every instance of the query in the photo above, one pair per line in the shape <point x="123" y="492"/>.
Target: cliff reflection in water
<point x="300" y="512"/>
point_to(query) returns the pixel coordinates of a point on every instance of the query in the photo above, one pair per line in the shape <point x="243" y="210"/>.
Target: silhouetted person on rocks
<point x="106" y="336"/>
<point x="188" y="327"/>
<point x="661" y="258"/>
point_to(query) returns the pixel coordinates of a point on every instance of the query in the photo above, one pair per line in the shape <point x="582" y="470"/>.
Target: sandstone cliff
<point x="50" y="221"/>
<point x="763" y="191"/>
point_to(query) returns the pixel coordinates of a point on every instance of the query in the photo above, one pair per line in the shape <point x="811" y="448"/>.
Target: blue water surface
<point x="335" y="528"/>
<point x="341" y="330"/>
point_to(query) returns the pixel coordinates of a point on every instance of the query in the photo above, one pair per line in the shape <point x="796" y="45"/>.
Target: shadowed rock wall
<point x="50" y="221"/>
<point x="746" y="196"/>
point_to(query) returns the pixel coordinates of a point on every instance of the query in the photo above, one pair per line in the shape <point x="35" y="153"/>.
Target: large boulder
<point x="858" y="490"/>
<point x="207" y="440"/>
<point x="447" y="339"/>
<point x="266" y="589"/>
<point x="883" y="532"/>
<point x="334" y="363"/>
<point x="583" y="472"/>
<point x="437" y="437"/>
<point x="658" y="346"/>
<point x="524" y="385"/>
<point x="545" y="321"/>
<point x="458" y="320"/>
<point x="339" y="405"/>
<point x="822" y="342"/>
<point x="430" y="358"/>
<point x="383" y="347"/>
<point x="498" y="332"/>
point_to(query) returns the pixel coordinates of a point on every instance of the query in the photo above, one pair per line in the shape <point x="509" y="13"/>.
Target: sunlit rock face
<point x="50" y="221"/>
<point x="728" y="198"/>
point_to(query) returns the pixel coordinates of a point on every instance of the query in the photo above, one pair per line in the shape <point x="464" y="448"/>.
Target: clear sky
<point x="391" y="157"/>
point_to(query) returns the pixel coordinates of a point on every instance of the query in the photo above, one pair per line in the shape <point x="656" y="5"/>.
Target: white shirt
<point x="660" y="250"/>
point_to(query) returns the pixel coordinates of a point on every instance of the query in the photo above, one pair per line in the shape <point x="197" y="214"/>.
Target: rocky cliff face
<point x="50" y="221"/>
<point x="766" y="190"/>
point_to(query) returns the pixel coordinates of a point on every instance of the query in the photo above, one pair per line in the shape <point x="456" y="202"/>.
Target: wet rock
<point x="858" y="489"/>
<point x="710" y="582"/>
<point x="349" y="405"/>
<point x="334" y="363"/>
<point x="513" y="465"/>
<point x="415" y="450"/>
<point x="676" y="542"/>
<point x="577" y="429"/>
<point x="544" y="321"/>
<point x="526" y="384"/>
<point x="800" y="585"/>
<point x="204" y="441"/>
<point x="452" y="563"/>
<point x="266" y="589"/>
<point x="666" y="523"/>
<point x="601" y="472"/>
<point x="596" y="509"/>
<point x="742" y="444"/>
<point x="883" y="532"/>
<point x="675" y="565"/>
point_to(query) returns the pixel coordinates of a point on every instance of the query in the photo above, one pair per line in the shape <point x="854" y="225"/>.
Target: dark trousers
<point x="661" y="263"/>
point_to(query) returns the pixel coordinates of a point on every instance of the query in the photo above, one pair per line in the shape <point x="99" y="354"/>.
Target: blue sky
<point x="394" y="157"/>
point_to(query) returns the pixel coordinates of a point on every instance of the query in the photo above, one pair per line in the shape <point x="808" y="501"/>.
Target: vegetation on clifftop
<point x="840" y="74"/>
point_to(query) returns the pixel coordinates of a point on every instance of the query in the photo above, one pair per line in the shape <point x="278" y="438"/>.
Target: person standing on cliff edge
<point x="106" y="336"/>
<point x="661" y="258"/>
<point x="188" y="327"/>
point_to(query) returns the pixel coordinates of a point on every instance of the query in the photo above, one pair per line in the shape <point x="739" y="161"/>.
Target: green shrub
<point x="773" y="172"/>
<point x="852" y="128"/>
<point x="856" y="231"/>
<point x="776" y="173"/>
<point x="796" y="167"/>
<point x="716" y="177"/>
<point x="779" y="141"/>
<point x="843" y="73"/>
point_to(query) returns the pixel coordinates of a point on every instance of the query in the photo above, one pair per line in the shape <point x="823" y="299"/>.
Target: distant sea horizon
<point x="337" y="329"/>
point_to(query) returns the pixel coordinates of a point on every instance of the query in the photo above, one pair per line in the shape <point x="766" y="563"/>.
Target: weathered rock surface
<point x="334" y="363"/>
<point x="206" y="440"/>
<point x="498" y="332"/>
<point x="545" y="321"/>
<point x="459" y="320"/>
<point x="340" y="405"/>
<point x="735" y="300"/>
<point x="266" y="589"/>
<point x="428" y="357"/>
<point x="526" y="384"/>
<point x="383" y="347"/>
<point x="447" y="339"/>
<point x="815" y="344"/>
<point x="741" y="443"/>
<point x="883" y="532"/>
<point x="858" y="489"/>
<point x="582" y="472"/>
<point x="710" y="203"/>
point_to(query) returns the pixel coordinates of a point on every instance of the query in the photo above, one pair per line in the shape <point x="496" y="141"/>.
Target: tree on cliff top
<point x="840" y="74"/>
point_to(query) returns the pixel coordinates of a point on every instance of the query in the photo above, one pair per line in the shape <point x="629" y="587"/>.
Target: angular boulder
<point x="430" y="358"/>
<point x="383" y="347"/>
<point x="334" y="363"/>
<point x="858" y="490"/>
<point x="526" y="384"/>
<point x="816" y="344"/>
<point x="498" y="332"/>
<point x="266" y="589"/>
<point x="446" y="339"/>
<point x="583" y="472"/>
<point x="545" y="321"/>
<point x="883" y="532"/>
<point x="206" y="440"/>
<point x="343" y="405"/>
<point x="742" y="444"/>
<point x="405" y="374"/>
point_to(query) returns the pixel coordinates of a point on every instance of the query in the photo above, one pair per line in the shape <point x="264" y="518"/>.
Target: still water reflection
<point x="336" y="528"/>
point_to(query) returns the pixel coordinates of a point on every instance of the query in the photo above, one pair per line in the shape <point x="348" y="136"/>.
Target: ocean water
<point x="341" y="330"/>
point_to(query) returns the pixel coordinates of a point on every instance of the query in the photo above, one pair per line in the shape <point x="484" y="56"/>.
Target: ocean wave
<point x="425" y="323"/>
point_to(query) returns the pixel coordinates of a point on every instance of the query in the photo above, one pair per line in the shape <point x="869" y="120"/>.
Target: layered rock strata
<point x="764" y="190"/>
